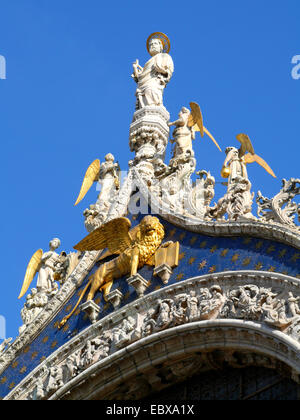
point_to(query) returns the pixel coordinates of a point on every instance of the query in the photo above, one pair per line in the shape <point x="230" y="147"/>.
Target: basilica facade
<point x="168" y="296"/>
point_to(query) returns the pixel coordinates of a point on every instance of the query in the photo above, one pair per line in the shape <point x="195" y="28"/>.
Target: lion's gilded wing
<point x="91" y="176"/>
<point x="249" y="158"/>
<point x="134" y="232"/>
<point x="113" y="235"/>
<point x="33" y="267"/>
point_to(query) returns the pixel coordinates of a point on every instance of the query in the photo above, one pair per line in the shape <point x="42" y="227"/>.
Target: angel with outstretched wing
<point x="43" y="264"/>
<point x="235" y="163"/>
<point x="108" y="175"/>
<point x="189" y="122"/>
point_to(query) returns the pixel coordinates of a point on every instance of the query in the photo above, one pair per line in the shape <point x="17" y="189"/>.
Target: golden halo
<point x="163" y="38"/>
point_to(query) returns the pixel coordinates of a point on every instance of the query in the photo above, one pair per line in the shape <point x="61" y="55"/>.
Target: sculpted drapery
<point x="153" y="78"/>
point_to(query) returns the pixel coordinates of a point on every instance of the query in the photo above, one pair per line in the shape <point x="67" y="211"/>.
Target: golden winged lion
<point x="135" y="248"/>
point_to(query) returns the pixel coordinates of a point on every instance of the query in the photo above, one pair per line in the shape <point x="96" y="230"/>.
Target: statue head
<point x="54" y="244"/>
<point x="109" y="157"/>
<point x="229" y="149"/>
<point x="158" y="43"/>
<point x="184" y="112"/>
<point x="155" y="46"/>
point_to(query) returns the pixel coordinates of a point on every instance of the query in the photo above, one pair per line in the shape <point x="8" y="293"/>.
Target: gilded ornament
<point x="135" y="248"/>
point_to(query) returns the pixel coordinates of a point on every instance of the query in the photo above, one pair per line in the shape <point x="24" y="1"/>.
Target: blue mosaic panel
<point x="199" y="255"/>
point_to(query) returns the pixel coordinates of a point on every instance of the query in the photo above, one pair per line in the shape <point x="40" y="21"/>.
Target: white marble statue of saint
<point x="155" y="75"/>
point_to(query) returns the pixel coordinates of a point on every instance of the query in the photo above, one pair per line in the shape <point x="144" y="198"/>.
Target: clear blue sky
<point x="69" y="98"/>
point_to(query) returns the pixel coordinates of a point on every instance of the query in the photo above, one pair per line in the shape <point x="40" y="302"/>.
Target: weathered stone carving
<point x="149" y="135"/>
<point x="281" y="209"/>
<point x="261" y="304"/>
<point x="54" y="377"/>
<point x="4" y="345"/>
<point x="275" y="307"/>
<point x="35" y="302"/>
<point x="123" y="332"/>
<point x="57" y="268"/>
<point x="65" y="265"/>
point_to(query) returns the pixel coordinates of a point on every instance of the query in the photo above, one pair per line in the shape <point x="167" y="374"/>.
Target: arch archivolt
<point x="238" y="318"/>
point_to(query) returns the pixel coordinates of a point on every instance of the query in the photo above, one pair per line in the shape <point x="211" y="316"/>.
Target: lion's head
<point x="152" y="235"/>
<point x="151" y="224"/>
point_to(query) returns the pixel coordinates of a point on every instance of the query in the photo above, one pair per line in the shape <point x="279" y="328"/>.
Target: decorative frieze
<point x="265" y="299"/>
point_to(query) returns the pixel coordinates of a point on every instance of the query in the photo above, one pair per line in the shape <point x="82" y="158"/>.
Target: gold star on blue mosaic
<point x="282" y="253"/>
<point x="213" y="249"/>
<point x="295" y="257"/>
<point x="271" y="249"/>
<point x="54" y="344"/>
<point x="235" y="257"/>
<point x="202" y="265"/>
<point x="172" y="233"/>
<point x="127" y="296"/>
<point x="98" y="300"/>
<point x="259" y="244"/>
<point x="193" y="240"/>
<point x="224" y="252"/>
<point x="246" y="262"/>
<point x="192" y="260"/>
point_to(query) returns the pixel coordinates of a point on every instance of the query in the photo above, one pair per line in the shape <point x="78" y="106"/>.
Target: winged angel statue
<point x="44" y="264"/>
<point x="133" y="249"/>
<point x="236" y="160"/>
<point x="106" y="173"/>
<point x="237" y="202"/>
<point x="187" y="125"/>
